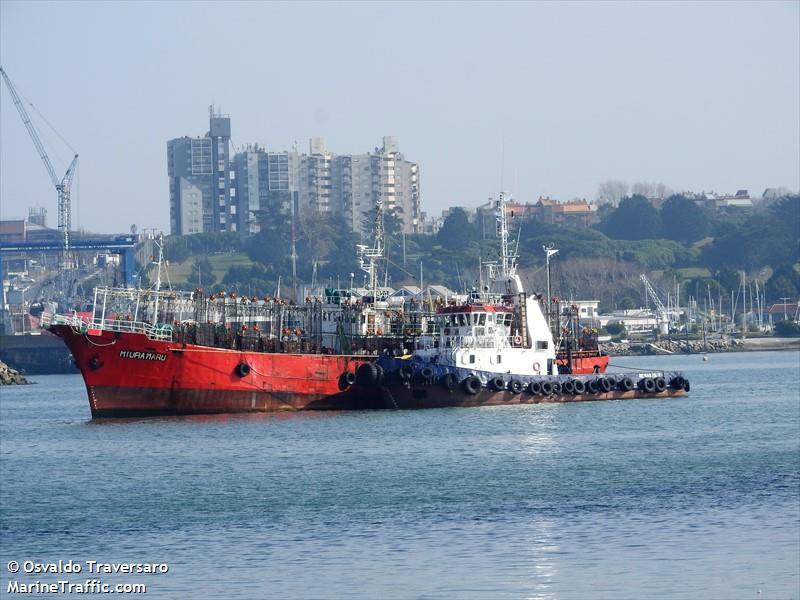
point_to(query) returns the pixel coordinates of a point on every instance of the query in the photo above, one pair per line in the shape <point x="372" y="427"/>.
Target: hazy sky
<point x="698" y="96"/>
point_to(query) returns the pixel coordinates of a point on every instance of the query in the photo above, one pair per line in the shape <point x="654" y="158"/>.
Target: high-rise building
<point x="209" y="191"/>
<point x="200" y="197"/>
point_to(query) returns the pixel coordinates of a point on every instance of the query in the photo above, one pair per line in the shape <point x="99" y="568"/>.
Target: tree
<point x="683" y="221"/>
<point x="203" y="273"/>
<point x="457" y="232"/>
<point x="784" y="283"/>
<point x="787" y="328"/>
<point x="634" y="219"/>
<point x="611" y="192"/>
<point x="650" y="189"/>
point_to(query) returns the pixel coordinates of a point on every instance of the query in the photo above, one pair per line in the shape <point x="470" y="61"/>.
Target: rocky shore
<point x="698" y="347"/>
<point x="9" y="376"/>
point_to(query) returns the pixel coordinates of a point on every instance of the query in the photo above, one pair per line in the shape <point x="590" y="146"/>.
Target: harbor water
<point x="695" y="497"/>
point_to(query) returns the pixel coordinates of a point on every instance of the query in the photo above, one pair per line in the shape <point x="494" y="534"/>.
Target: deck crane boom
<point x="661" y="312"/>
<point x="62" y="186"/>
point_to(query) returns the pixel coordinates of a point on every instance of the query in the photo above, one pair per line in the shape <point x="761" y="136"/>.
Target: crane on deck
<point x="62" y="185"/>
<point x="662" y="314"/>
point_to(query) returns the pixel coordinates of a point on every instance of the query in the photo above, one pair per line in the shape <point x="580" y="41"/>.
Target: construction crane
<point x="661" y="312"/>
<point x="63" y="185"/>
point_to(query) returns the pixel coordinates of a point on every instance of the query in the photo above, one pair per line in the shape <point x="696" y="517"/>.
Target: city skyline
<point x="538" y="99"/>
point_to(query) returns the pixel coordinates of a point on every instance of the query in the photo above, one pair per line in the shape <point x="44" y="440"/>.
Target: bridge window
<point x="541" y="345"/>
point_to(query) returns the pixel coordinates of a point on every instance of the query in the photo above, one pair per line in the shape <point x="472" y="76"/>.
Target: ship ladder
<point x="523" y="315"/>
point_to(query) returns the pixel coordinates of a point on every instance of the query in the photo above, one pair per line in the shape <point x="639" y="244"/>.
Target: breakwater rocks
<point x="9" y="376"/>
<point x="698" y="347"/>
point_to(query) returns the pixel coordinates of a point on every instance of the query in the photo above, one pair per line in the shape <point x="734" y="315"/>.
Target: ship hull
<point x="128" y="374"/>
<point x="400" y="396"/>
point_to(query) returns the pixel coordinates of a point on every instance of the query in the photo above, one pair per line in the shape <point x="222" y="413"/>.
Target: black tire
<point x="677" y="382"/>
<point x="661" y="385"/>
<point x="579" y="386"/>
<point x="471" y="385"/>
<point x="547" y="388"/>
<point x="647" y="385"/>
<point x="497" y="384"/>
<point x="593" y="386"/>
<point x="515" y="386"/>
<point x="426" y="373"/>
<point x="349" y="378"/>
<point x="449" y="381"/>
<point x="406" y="372"/>
<point x="625" y="384"/>
<point x="535" y="388"/>
<point x="556" y="388"/>
<point x="686" y="386"/>
<point x="604" y="384"/>
<point x="243" y="369"/>
<point x="568" y="387"/>
<point x="367" y="374"/>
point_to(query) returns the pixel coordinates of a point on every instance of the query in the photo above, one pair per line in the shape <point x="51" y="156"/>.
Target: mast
<point x="549" y="251"/>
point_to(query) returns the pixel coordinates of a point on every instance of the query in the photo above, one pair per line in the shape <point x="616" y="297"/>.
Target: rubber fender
<point x="625" y="384"/>
<point x="349" y="377"/>
<point x="568" y="387"/>
<point x="515" y="386"/>
<point x="604" y="384"/>
<point x="648" y="385"/>
<point x="547" y="388"/>
<point x="472" y="385"/>
<point x="556" y="388"/>
<point x="426" y="373"/>
<point x="497" y="383"/>
<point x="535" y="388"/>
<point x="676" y="382"/>
<point x="686" y="385"/>
<point x="406" y="372"/>
<point x="580" y="387"/>
<point x="367" y="374"/>
<point x="661" y="384"/>
<point x="243" y="369"/>
<point x="449" y="381"/>
<point x="592" y="386"/>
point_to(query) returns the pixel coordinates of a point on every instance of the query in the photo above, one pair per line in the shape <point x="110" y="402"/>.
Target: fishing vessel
<point x="165" y="352"/>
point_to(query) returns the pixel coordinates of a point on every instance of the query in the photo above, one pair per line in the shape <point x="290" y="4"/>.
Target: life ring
<point x="536" y="367"/>
<point x="243" y="369"/>
<point x="515" y="386"/>
<point x="517" y="340"/>
<point x="472" y="385"/>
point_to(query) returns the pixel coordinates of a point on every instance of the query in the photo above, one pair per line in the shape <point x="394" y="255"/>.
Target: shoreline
<point x="666" y="347"/>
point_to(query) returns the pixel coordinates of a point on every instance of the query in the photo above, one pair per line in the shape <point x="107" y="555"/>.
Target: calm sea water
<point x="686" y="498"/>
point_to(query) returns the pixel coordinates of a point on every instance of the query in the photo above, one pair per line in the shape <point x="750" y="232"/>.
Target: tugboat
<point x="498" y="349"/>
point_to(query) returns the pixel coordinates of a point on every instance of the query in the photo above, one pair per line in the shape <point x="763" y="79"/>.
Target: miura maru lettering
<point x="140" y="355"/>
